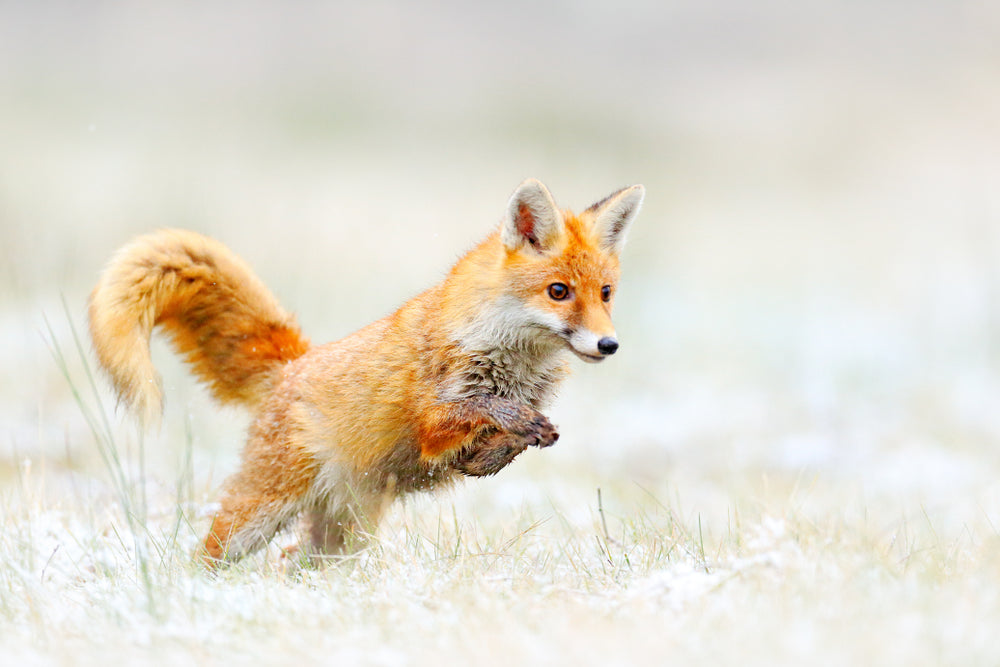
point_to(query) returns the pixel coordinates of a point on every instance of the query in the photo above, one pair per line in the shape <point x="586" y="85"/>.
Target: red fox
<point x="450" y="384"/>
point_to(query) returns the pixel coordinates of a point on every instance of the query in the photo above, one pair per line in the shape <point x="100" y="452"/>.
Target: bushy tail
<point x="217" y="313"/>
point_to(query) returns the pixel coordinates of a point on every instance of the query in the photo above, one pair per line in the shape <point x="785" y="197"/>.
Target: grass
<point x="629" y="577"/>
<point x="438" y="586"/>
<point x="620" y="573"/>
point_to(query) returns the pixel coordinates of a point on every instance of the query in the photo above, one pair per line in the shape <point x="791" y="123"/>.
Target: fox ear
<point x="532" y="218"/>
<point x="614" y="214"/>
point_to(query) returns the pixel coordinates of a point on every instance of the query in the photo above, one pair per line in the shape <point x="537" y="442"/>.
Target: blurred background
<point x="811" y="294"/>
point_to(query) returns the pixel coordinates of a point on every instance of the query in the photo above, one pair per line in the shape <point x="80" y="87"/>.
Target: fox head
<point x="562" y="269"/>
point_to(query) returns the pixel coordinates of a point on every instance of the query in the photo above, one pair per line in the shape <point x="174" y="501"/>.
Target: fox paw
<point x="529" y="425"/>
<point x="496" y="452"/>
<point x="539" y="432"/>
<point x="490" y="457"/>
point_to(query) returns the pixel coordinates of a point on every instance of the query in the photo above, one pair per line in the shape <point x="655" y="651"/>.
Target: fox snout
<point x="607" y="345"/>
<point x="592" y="347"/>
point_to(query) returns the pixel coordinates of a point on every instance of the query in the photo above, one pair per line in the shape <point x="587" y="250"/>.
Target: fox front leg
<point x="526" y="424"/>
<point x="524" y="427"/>
<point x="453" y="430"/>
<point x="490" y="456"/>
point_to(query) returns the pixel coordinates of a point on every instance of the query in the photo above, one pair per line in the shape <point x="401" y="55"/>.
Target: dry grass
<point x="640" y="585"/>
<point x="546" y="564"/>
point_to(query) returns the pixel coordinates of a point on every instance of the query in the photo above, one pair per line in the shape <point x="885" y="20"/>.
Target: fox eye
<point x="606" y="293"/>
<point x="558" y="291"/>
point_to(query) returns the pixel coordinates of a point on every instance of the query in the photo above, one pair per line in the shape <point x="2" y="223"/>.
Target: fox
<point x="451" y="384"/>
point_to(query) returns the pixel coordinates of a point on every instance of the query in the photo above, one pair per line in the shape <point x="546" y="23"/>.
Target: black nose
<point x="607" y="345"/>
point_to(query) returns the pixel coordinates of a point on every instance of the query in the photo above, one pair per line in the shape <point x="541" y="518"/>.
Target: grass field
<point x="794" y="458"/>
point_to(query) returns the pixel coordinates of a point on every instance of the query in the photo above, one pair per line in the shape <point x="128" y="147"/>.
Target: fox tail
<point x="217" y="313"/>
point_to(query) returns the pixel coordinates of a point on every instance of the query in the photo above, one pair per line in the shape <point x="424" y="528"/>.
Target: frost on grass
<point x="766" y="555"/>
<point x="749" y="539"/>
<point x="486" y="580"/>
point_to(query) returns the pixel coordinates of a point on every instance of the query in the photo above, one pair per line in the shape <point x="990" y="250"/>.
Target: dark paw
<point x="491" y="456"/>
<point x="540" y="432"/>
<point x="529" y="425"/>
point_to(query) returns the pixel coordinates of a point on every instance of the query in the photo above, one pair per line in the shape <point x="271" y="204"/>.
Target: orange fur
<point x="451" y="383"/>
<point x="218" y="314"/>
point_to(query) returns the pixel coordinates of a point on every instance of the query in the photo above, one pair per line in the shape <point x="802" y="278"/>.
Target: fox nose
<point x="607" y="345"/>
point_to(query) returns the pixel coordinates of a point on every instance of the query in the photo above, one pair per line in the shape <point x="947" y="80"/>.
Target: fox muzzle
<point x="607" y="345"/>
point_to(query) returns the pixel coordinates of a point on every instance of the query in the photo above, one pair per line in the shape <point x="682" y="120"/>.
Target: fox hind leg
<point x="342" y="525"/>
<point x="242" y="526"/>
<point x="264" y="495"/>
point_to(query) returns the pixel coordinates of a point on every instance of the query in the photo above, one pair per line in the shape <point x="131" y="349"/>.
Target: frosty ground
<point x="631" y="543"/>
